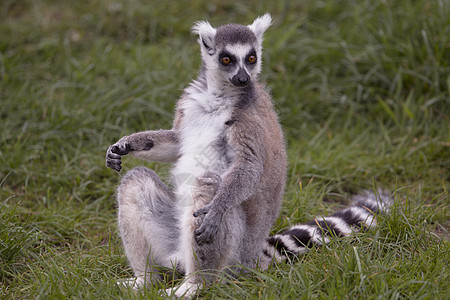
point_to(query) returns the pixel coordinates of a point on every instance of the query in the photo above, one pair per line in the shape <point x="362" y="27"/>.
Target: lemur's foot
<point x="134" y="282"/>
<point x="208" y="184"/>
<point x="186" y="290"/>
<point x="205" y="190"/>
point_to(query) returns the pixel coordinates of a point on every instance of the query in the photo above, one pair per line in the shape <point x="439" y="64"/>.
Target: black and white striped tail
<point x="298" y="238"/>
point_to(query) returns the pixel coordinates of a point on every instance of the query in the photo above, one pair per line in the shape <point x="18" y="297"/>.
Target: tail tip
<point x="377" y="200"/>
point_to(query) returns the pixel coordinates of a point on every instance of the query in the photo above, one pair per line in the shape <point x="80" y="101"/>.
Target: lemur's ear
<point x="260" y="25"/>
<point x="206" y="35"/>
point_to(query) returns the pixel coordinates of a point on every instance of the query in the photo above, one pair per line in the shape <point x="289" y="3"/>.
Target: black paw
<point x="206" y="233"/>
<point x="114" y="155"/>
<point x="209" y="226"/>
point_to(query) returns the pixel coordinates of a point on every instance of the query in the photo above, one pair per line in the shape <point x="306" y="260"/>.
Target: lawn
<point x="362" y="89"/>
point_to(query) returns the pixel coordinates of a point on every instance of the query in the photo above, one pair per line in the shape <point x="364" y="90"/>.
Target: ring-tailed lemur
<point x="228" y="176"/>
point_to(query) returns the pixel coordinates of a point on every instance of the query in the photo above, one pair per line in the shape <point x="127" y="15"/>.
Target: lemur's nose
<point x="243" y="79"/>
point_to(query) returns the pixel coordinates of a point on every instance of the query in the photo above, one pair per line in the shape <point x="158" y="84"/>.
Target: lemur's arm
<point x="153" y="145"/>
<point x="238" y="184"/>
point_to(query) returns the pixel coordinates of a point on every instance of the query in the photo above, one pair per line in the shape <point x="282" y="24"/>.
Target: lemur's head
<point x="232" y="52"/>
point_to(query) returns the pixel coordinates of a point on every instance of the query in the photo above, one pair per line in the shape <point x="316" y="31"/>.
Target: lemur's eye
<point x="226" y="60"/>
<point x="251" y="59"/>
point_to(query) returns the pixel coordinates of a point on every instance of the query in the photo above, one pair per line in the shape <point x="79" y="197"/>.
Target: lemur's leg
<point x="222" y="251"/>
<point x="203" y="262"/>
<point x="148" y="224"/>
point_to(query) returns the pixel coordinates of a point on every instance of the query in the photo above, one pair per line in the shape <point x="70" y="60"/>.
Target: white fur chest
<point x="203" y="129"/>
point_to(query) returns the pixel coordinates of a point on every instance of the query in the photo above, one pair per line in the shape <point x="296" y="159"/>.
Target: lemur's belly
<point x="203" y="148"/>
<point x="194" y="162"/>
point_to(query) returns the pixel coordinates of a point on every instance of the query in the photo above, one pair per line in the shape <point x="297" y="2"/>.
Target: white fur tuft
<point x="260" y="25"/>
<point x="202" y="27"/>
<point x="206" y="35"/>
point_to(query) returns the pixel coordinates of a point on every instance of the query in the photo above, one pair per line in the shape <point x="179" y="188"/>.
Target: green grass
<point x="362" y="89"/>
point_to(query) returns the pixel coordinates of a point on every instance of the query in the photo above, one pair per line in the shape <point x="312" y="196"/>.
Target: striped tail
<point x="298" y="238"/>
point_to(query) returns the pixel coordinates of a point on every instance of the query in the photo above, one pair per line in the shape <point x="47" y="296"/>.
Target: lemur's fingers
<point x="201" y="193"/>
<point x="113" y="160"/>
<point x="114" y="164"/>
<point x="112" y="155"/>
<point x="210" y="177"/>
<point x="206" y="232"/>
<point x="117" y="167"/>
<point x="206" y="181"/>
<point x="209" y="227"/>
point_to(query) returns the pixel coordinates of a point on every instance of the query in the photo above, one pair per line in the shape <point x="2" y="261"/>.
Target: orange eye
<point x="226" y="60"/>
<point x="251" y="59"/>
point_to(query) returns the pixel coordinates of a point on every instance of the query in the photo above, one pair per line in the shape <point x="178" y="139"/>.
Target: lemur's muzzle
<point x="241" y="78"/>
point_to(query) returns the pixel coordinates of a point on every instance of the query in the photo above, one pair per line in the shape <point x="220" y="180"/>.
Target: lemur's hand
<point x="114" y="154"/>
<point x="135" y="142"/>
<point x="211" y="222"/>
